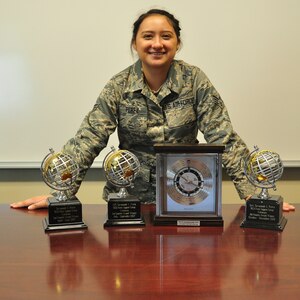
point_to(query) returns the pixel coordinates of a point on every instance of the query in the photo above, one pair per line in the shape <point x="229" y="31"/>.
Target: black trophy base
<point x="264" y="213"/>
<point x="64" y="215"/>
<point x="188" y="221"/>
<point x="123" y="211"/>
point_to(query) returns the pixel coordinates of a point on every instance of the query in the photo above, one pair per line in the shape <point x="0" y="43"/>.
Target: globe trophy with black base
<point x="121" y="168"/>
<point x="59" y="172"/>
<point x="263" y="168"/>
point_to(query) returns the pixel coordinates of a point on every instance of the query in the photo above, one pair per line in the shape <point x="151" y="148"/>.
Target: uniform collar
<point x="136" y="81"/>
<point x="174" y="81"/>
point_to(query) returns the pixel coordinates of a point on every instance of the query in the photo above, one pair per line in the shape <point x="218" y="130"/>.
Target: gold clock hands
<point x="193" y="183"/>
<point x="185" y="179"/>
<point x="190" y="181"/>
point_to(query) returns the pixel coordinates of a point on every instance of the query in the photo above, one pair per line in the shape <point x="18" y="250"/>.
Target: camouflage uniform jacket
<point x="187" y="102"/>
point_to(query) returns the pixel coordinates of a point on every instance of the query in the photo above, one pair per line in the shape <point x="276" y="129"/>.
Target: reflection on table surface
<point x="136" y="262"/>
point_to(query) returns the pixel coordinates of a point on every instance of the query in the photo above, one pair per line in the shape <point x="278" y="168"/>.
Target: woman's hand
<point x="288" y="207"/>
<point x="32" y="203"/>
<point x="285" y="207"/>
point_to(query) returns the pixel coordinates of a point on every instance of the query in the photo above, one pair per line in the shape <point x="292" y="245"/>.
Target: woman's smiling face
<point x="156" y="42"/>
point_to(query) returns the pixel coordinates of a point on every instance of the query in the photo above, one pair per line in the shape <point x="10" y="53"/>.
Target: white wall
<point x="56" y="56"/>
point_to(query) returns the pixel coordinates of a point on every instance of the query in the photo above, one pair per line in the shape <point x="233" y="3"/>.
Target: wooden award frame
<point x="188" y="184"/>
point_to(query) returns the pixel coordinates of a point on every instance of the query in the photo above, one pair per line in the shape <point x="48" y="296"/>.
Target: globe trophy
<point x="263" y="168"/>
<point x="121" y="168"/>
<point x="59" y="172"/>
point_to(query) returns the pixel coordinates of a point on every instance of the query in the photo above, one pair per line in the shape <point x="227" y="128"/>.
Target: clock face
<point x="189" y="181"/>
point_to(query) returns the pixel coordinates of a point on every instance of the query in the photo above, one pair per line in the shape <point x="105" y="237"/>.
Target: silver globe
<point x="121" y="168"/>
<point x="263" y="168"/>
<point x="59" y="172"/>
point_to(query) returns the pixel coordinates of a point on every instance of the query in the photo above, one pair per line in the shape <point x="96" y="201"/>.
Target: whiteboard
<point x="56" y="56"/>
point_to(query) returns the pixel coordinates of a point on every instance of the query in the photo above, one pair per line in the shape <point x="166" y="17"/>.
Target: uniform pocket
<point x="133" y="122"/>
<point x="180" y="116"/>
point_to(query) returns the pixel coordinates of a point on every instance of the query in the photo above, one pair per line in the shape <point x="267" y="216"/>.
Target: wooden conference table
<point x="150" y="262"/>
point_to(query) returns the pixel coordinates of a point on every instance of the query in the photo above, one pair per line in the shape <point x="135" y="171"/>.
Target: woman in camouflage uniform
<point x="156" y="100"/>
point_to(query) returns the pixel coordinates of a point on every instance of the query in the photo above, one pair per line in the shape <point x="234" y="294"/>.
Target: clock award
<point x="121" y="168"/>
<point x="188" y="184"/>
<point x="263" y="168"/>
<point x="59" y="171"/>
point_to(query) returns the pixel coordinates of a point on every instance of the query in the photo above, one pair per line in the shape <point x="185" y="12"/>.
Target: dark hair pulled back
<point x="174" y="22"/>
